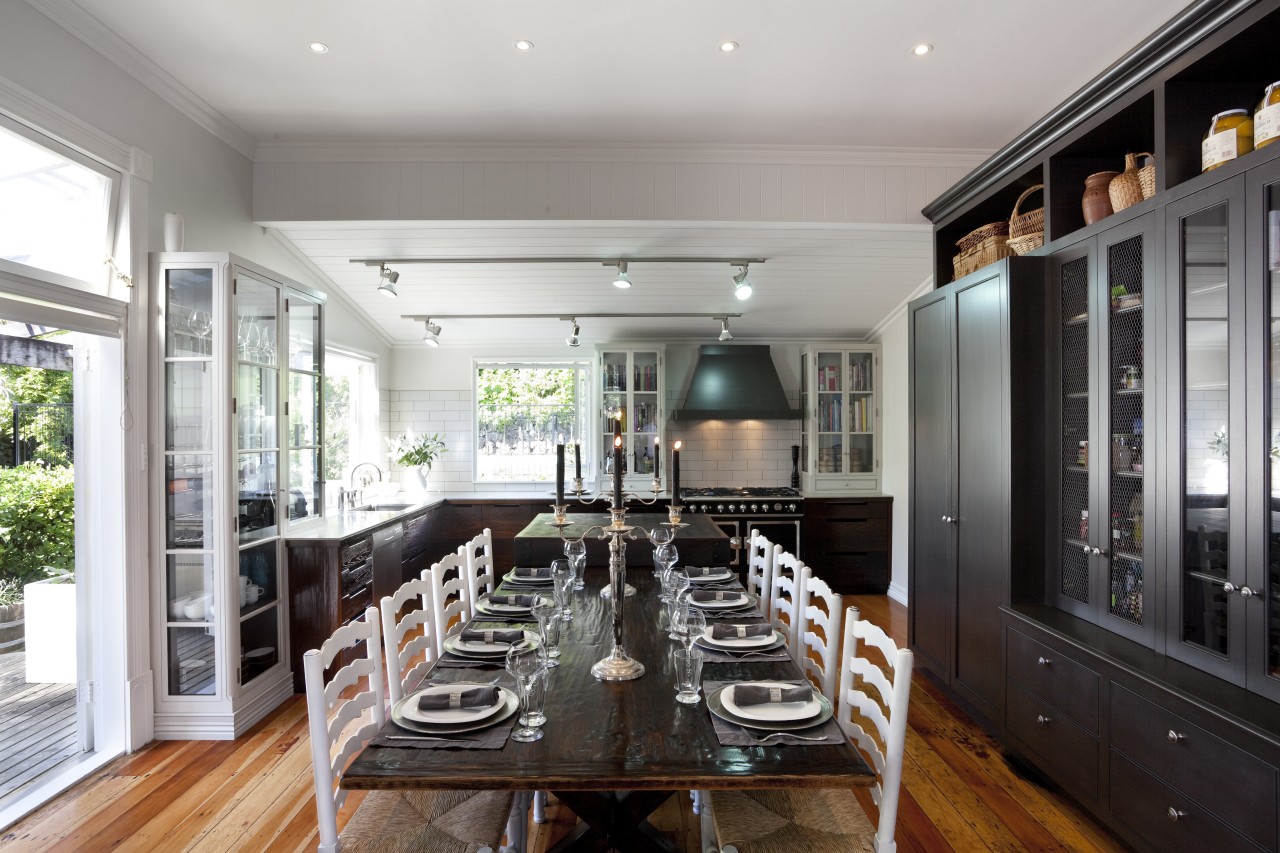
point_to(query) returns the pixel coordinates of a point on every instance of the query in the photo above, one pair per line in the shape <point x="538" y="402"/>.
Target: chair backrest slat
<point x="449" y="605"/>
<point x="481" y="576"/>
<point x="760" y="568"/>
<point x="787" y="599"/>
<point x="826" y="646"/>
<point x="407" y="661"/>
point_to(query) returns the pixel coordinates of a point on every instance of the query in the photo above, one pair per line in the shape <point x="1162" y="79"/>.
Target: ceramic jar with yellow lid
<point x="1230" y="135"/>
<point x="1266" y="118"/>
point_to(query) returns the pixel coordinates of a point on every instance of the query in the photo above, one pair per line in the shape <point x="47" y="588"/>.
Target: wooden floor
<point x="37" y="725"/>
<point x="959" y="791"/>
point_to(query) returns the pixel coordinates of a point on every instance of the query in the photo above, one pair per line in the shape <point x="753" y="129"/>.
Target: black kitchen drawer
<point x="1219" y="778"/>
<point x="1069" y="687"/>
<point x="357" y="577"/>
<point x="1148" y="807"/>
<point x="838" y="509"/>
<point x="861" y="573"/>
<point x="356" y="603"/>
<point x="355" y="552"/>
<point x="866" y="534"/>
<point x="1066" y="751"/>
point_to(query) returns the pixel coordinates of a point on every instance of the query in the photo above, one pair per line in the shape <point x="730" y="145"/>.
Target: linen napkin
<point x="703" y="571"/>
<point x="740" y="632"/>
<point x="512" y="600"/>
<point x="459" y="697"/>
<point x="733" y="735"/>
<point x="492" y="636"/>
<point x="703" y="596"/>
<point x="531" y="572"/>
<point x="759" y="694"/>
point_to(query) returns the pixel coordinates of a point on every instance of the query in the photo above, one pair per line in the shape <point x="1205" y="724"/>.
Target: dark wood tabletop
<point x="700" y="542"/>
<point x="606" y="736"/>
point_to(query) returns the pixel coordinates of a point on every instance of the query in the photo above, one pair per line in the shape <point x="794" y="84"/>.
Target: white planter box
<point x="51" y="632"/>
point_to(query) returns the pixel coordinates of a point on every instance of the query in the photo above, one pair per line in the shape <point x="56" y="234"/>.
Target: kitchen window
<point x="350" y="417"/>
<point x="522" y="410"/>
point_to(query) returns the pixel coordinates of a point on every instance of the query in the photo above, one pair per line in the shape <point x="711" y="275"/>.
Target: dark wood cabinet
<point x="973" y="493"/>
<point x="848" y="542"/>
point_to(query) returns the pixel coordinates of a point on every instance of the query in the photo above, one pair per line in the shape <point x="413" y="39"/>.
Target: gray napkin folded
<point x="730" y="734"/>
<point x="459" y="697"/>
<point x="531" y="572"/>
<point x="703" y="596"/>
<point x="493" y="636"/>
<point x="759" y="694"/>
<point x="703" y="571"/>
<point x="512" y="600"/>
<point x="739" y="632"/>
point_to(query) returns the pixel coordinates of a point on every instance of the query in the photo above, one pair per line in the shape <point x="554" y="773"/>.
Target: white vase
<point x="174" y="232"/>
<point x="422" y="473"/>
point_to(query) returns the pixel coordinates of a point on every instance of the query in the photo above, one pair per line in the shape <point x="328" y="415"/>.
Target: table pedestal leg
<point x="613" y="820"/>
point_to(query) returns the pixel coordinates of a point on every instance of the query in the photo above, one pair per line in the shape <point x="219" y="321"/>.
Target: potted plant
<point x="418" y="452"/>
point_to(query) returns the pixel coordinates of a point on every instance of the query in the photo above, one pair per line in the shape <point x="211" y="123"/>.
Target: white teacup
<point x="196" y="607"/>
<point x="253" y="593"/>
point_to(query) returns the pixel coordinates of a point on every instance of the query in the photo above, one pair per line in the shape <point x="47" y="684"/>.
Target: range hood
<point x="735" y="382"/>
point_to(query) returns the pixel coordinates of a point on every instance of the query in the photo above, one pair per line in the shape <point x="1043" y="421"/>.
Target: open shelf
<point x="994" y="207"/>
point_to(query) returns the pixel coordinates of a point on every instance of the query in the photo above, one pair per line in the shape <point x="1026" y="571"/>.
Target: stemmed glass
<point x="678" y="581"/>
<point x="546" y="609"/>
<point x="576" y="551"/>
<point x="661" y="538"/>
<point x="689" y="624"/>
<point x="524" y="663"/>
<point x="562" y="581"/>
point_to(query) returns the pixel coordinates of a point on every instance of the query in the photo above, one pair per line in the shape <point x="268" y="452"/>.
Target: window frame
<point x="585" y="367"/>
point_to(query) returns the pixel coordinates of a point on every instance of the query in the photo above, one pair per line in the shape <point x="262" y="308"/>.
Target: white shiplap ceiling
<point x="822" y="72"/>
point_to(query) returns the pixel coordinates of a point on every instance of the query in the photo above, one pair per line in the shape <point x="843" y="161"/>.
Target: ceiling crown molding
<point x="75" y="20"/>
<point x="28" y="108"/>
<point x="826" y="155"/>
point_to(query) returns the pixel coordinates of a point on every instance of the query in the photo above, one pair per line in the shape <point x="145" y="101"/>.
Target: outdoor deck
<point x="37" y="724"/>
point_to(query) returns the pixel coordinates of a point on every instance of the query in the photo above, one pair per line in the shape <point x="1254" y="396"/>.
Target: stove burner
<point x="740" y="492"/>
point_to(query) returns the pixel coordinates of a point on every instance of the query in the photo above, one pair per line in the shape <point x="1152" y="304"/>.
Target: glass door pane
<point x="257" y="408"/>
<point x="1073" y="283"/>
<point x="1125" y="578"/>
<point x="1272" y="462"/>
<point x="304" y="335"/>
<point x="831" y="418"/>
<point x="861" y="407"/>
<point x="804" y="412"/>
<point x="1206" y="548"/>
<point x="644" y="426"/>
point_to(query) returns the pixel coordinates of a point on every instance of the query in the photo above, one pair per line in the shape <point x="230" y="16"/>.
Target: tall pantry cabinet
<point x="975" y="416"/>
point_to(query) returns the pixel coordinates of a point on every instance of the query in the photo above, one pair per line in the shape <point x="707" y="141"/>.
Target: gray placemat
<point x="449" y="660"/>
<point x="733" y="735"/>
<point x="718" y="656"/>
<point x="752" y="615"/>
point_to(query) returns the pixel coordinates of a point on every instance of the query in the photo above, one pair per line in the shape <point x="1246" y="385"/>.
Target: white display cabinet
<point x="631" y="387"/>
<point x="238" y="420"/>
<point x="840" y="406"/>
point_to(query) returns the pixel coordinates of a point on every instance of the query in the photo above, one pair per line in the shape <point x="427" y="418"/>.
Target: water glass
<point x="690" y="624"/>
<point x="547" y="611"/>
<point x="524" y="663"/>
<point x="562" y="581"/>
<point x="534" y="714"/>
<point x="576" y="551"/>
<point x="688" y="675"/>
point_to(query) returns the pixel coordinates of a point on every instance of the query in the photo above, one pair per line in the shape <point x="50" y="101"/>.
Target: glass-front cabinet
<point x="239" y="411"/>
<point x="631" y="399"/>
<point x="840" y="411"/>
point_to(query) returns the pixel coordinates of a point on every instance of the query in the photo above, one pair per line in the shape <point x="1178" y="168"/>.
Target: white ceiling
<point x="821" y="72"/>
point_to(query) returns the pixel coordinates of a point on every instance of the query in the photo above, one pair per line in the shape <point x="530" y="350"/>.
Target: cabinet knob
<point x="1043" y="661"/>
<point x="946" y="518"/>
<point x="1173" y="736"/>
<point x="1246" y="592"/>
<point x="1099" y="552"/>
<point x="1174" y="813"/>
<point x="1043" y="720"/>
<point x="1087" y="549"/>
<point x="1229" y="587"/>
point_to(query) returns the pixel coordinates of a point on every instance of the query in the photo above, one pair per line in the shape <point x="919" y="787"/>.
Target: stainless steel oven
<point x="775" y="512"/>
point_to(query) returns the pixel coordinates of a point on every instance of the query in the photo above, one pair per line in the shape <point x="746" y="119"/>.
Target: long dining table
<point x="615" y="751"/>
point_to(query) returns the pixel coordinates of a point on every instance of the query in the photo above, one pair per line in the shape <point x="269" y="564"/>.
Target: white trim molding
<point x="878" y="329"/>
<point x="133" y="62"/>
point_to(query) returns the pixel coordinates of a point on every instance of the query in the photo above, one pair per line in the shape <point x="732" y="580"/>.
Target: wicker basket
<point x="1147" y="176"/>
<point x="980" y="247"/>
<point x="1026" y="230"/>
<point x="1135" y="184"/>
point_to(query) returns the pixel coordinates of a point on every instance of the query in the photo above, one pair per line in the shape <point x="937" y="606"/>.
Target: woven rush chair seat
<point x="813" y="820"/>
<point x="427" y="822"/>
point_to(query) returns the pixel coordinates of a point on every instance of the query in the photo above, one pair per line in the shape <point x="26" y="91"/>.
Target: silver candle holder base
<point x="560" y="515"/>
<point x="617" y="665"/>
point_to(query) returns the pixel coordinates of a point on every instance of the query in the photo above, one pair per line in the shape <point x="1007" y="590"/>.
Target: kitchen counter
<point x="339" y="526"/>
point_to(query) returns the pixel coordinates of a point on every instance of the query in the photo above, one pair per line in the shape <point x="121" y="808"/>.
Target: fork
<point x="428" y="737"/>
<point x="763" y="738"/>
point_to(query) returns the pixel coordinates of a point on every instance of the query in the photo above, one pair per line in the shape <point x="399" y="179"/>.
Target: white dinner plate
<point x="739" y="601"/>
<point x="459" y="646"/>
<point x="765" y="642"/>
<point x="508" y="705"/>
<point x="715" y="704"/>
<point x="512" y="577"/>
<point x="781" y="712"/>
<point x="717" y="577"/>
<point x="486" y="606"/>
<point x="447" y="716"/>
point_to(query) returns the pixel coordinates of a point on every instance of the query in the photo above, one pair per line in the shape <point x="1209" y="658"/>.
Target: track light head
<point x="574" y="339"/>
<point x="622" y="280"/>
<point x="432" y="336"/>
<point x="742" y="284"/>
<point x="725" y="334"/>
<point x="387" y="285"/>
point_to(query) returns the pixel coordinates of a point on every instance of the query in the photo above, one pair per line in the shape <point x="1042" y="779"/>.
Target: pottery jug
<point x="1097" y="201"/>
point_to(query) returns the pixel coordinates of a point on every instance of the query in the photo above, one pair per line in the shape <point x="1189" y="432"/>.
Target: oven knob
<point x="792" y="508"/>
<point x="755" y="508"/>
<point x="742" y="507"/>
<point x="732" y="508"/>
<point x="720" y="507"/>
<point x="777" y="507"/>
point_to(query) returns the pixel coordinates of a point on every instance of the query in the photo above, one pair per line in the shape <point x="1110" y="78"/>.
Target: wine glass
<point x="690" y="622"/>
<point x="546" y="609"/>
<point x="524" y="664"/>
<point x="679" y="582"/>
<point x="576" y="551"/>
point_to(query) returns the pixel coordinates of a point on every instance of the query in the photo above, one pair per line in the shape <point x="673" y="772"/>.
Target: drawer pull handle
<point x="1043" y="661"/>
<point x="1174" y="737"/>
<point x="1174" y="814"/>
<point x="1043" y="720"/>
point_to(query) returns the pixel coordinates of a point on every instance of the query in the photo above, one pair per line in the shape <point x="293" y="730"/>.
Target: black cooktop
<point x="739" y="492"/>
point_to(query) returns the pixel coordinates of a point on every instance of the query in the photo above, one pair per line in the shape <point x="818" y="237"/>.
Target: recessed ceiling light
<point x="318" y="47"/>
<point x="524" y="44"/>
<point x="728" y="46"/>
<point x="922" y="49"/>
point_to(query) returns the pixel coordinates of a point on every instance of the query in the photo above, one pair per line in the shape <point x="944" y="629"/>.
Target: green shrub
<point x="37" y="521"/>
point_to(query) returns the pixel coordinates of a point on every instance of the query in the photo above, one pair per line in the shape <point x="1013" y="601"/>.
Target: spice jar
<point x="1266" y="118"/>
<point x="1084" y="524"/>
<point x="1082" y="454"/>
<point x="1230" y="135"/>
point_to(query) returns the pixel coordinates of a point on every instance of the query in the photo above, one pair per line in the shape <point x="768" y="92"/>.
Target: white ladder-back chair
<point x="407" y="660"/>
<point x="480" y="573"/>
<point x="787" y="597"/>
<point x="872" y="690"/>
<point x="343" y="715"/>
<point x="450" y="607"/>
<point x="826" y="646"/>
<point x="760" y="568"/>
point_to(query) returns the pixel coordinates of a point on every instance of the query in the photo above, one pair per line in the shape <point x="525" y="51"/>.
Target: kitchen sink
<point x="382" y="507"/>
